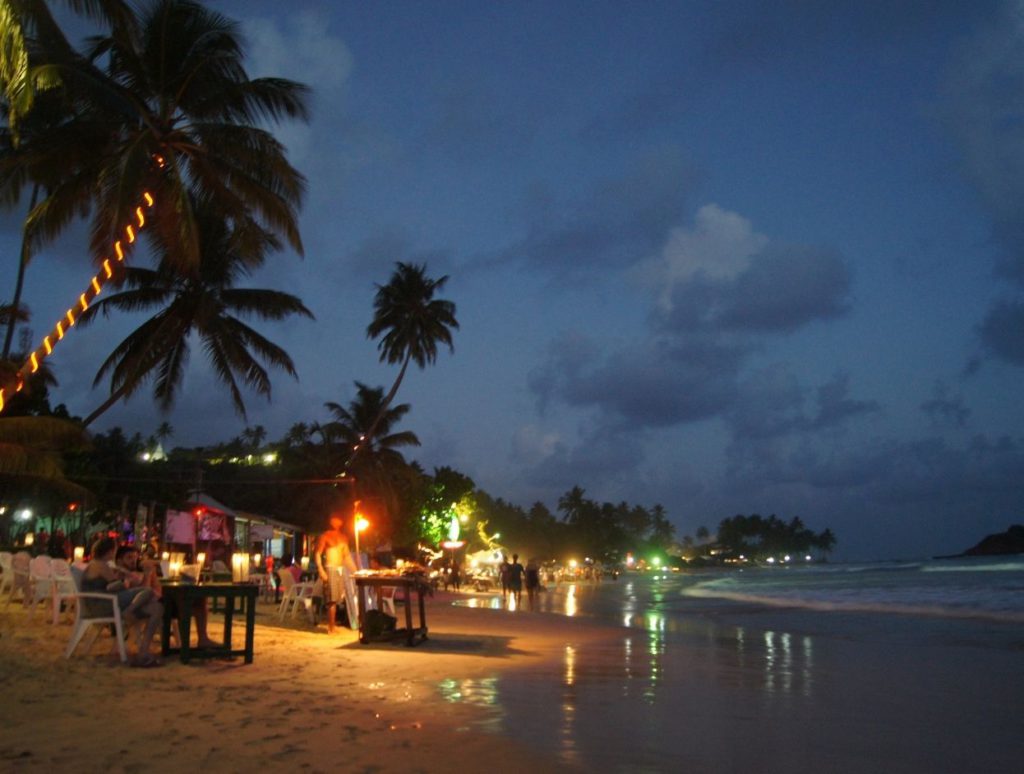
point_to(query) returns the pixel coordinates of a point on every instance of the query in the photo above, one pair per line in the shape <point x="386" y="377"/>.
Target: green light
<point x="656" y="561"/>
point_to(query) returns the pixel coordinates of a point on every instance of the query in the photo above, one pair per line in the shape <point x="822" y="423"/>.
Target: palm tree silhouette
<point x="178" y="116"/>
<point x="412" y="323"/>
<point x="205" y="302"/>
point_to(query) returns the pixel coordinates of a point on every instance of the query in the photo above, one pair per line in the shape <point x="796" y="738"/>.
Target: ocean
<point x="803" y="668"/>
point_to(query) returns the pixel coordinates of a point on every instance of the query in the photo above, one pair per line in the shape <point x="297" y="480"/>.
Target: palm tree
<point x="170" y="111"/>
<point x="573" y="504"/>
<point x="378" y="461"/>
<point x="255" y="436"/>
<point x="179" y="116"/>
<point x="164" y="431"/>
<point x="412" y="323"/>
<point x="205" y="302"/>
<point x="297" y="435"/>
<point x="351" y="424"/>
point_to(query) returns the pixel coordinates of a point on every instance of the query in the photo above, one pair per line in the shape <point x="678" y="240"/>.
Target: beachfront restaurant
<point x="219" y="531"/>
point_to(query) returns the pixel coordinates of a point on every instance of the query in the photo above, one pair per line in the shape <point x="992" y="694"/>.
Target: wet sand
<point x="494" y="690"/>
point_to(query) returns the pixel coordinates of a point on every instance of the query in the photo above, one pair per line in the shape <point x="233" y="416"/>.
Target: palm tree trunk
<point x="102" y="408"/>
<point x="20" y="283"/>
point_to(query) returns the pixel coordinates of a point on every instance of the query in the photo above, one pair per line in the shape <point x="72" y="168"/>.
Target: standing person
<point x="503" y="574"/>
<point x="532" y="582"/>
<point x="456" y="574"/>
<point x="332" y="554"/>
<point x="515" y="579"/>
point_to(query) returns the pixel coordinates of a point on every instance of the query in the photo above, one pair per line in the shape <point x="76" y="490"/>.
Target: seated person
<point x="129" y="559"/>
<point x="290" y="566"/>
<point x="144" y="572"/>
<point x="137" y="603"/>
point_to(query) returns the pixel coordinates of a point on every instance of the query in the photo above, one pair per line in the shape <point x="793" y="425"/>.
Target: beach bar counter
<point x="406" y="584"/>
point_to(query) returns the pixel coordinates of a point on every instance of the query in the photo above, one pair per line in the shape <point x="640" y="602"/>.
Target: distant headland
<point x="1001" y="543"/>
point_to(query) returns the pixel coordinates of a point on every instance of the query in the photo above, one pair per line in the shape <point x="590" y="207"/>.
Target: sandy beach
<point x="309" y="702"/>
<point x="495" y="690"/>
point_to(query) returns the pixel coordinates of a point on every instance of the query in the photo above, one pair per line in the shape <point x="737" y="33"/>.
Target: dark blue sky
<point x="726" y="257"/>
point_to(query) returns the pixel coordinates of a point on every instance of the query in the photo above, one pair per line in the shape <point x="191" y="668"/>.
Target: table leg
<point x="423" y="612"/>
<point x="362" y="610"/>
<point x="408" y="614"/>
<point x="229" y="614"/>
<point x="185" y="627"/>
<point x="250" y="628"/>
<point x="165" y="632"/>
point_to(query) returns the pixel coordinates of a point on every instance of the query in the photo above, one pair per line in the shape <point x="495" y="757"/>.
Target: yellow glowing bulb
<point x="84" y="304"/>
<point x="96" y="285"/>
<point x="130" y="232"/>
<point x="71" y="319"/>
<point x="60" y="331"/>
<point x="35" y="362"/>
<point x="46" y="343"/>
<point x="107" y="269"/>
<point x="148" y="198"/>
<point x="119" y="251"/>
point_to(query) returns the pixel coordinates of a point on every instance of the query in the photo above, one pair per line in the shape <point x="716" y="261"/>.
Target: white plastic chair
<point x="63" y="589"/>
<point x="303" y="598"/>
<point x="19" y="576"/>
<point x="40" y="583"/>
<point x="287" y="589"/>
<point x="94" y="609"/>
<point x="6" y="572"/>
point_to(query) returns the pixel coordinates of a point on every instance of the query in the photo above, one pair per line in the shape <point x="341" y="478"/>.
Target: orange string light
<point x="31" y="365"/>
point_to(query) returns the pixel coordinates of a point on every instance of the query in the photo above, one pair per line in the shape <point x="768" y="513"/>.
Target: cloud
<point x="836" y="407"/>
<point x="798" y="33"/>
<point x="609" y="458"/>
<point x="781" y="289"/>
<point x="1002" y="332"/>
<point x="720" y="290"/>
<point x="617" y="223"/>
<point x="771" y="403"/>
<point x="719" y="247"/>
<point x="300" y="49"/>
<point x="653" y="384"/>
<point x="376" y="255"/>
<point x="945" y="410"/>
<point x="981" y="109"/>
<point x="471" y="123"/>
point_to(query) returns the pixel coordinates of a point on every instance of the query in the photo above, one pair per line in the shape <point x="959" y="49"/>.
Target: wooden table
<point x="186" y="595"/>
<point x="407" y="584"/>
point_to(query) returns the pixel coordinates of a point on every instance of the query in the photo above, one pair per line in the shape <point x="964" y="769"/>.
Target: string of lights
<point x="92" y="290"/>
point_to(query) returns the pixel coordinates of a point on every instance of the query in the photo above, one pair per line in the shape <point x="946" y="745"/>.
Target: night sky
<point x="725" y="257"/>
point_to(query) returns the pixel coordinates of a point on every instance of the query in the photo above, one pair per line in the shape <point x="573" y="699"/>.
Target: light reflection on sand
<point x="482" y="694"/>
<point x="672" y="683"/>
<point x="788" y="663"/>
<point x="568" y="751"/>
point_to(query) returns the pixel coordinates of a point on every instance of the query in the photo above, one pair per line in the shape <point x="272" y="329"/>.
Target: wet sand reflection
<point x="641" y="679"/>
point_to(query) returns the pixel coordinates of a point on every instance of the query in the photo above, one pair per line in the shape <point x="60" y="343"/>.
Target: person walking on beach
<point x="532" y="582"/>
<point x="456" y="575"/>
<point x="332" y="553"/>
<point x="503" y="571"/>
<point x="515" y="579"/>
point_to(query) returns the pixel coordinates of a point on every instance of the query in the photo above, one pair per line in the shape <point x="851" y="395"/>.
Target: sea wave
<point x="991" y="608"/>
<point x="1017" y="566"/>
